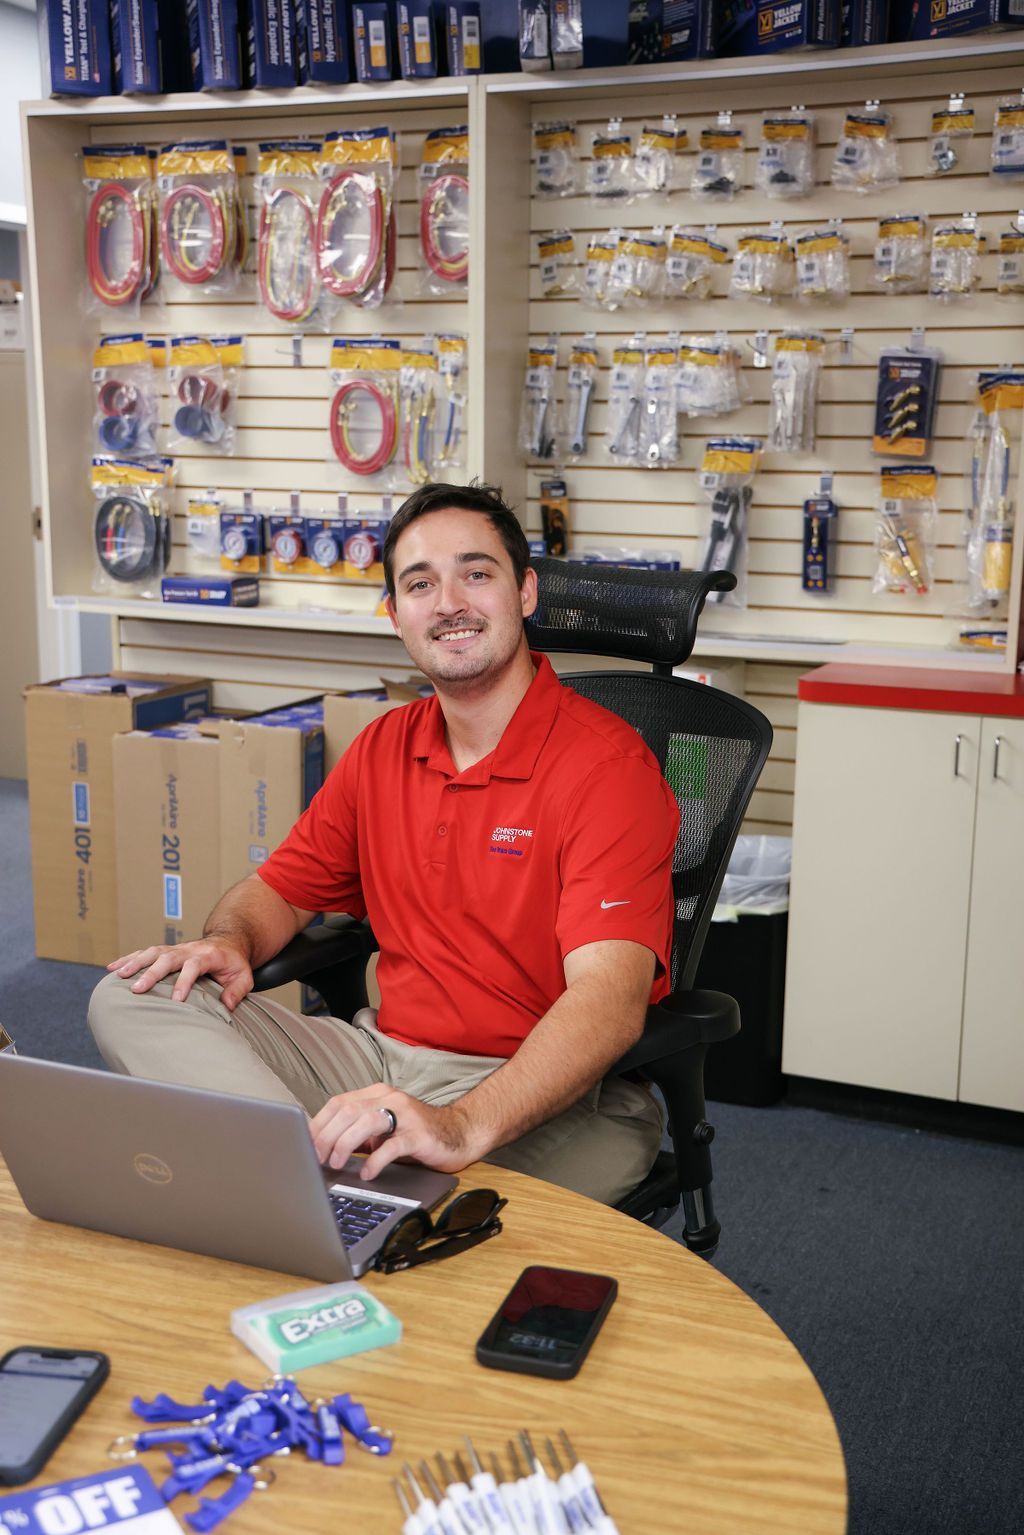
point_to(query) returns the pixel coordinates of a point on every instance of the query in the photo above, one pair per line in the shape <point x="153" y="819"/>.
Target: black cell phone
<point x="42" y="1392"/>
<point x="547" y="1322"/>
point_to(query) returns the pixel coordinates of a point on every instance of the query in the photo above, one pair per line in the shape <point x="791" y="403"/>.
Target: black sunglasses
<point x="471" y="1217"/>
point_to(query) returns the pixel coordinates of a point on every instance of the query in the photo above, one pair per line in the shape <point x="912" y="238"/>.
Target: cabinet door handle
<point x="995" y="758"/>
<point x="956" y="758"/>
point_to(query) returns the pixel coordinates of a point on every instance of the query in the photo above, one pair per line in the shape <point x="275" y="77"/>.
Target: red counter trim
<point x="907" y="687"/>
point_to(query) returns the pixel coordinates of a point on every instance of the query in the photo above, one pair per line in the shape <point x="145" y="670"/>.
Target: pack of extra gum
<point x="308" y="1327"/>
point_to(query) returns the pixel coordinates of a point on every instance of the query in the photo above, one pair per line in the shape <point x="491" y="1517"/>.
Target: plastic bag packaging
<point x="363" y="418"/>
<point x="708" y="381"/>
<point x="203" y="375"/>
<point x="288" y="196"/>
<point x="625" y="393"/>
<point x="718" y="171"/>
<point x="757" y="879"/>
<point x="908" y="513"/>
<point x="602" y="250"/>
<point x="201" y="241"/>
<point x="131" y="524"/>
<point x="417" y="389"/>
<point x="125" y="402"/>
<point x="954" y="271"/>
<point x="994" y="446"/>
<point x="785" y="159"/>
<point x="796" y="366"/>
<point x="566" y="34"/>
<point x="637" y="276"/>
<point x="581" y="382"/>
<point x="121" y="239"/>
<point x="822" y="266"/>
<point x="444" y="212"/>
<point x="693" y="255"/>
<point x="725" y="482"/>
<point x="867" y="156"/>
<point x="538" y="413"/>
<point x="658" y="434"/>
<point x="1008" y="139"/>
<point x="202" y="527"/>
<point x="655" y="166"/>
<point x="356" y="239"/>
<point x="762" y="267"/>
<point x="610" y="172"/>
<point x="952" y="126"/>
<point x="1010" y="269"/>
<point x="452" y="387"/>
<point x="556" y="261"/>
<point x="534" y="35"/>
<point x="555" y="160"/>
<point x="901" y="254"/>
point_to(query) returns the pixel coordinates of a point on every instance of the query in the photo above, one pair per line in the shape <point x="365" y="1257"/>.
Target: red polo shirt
<point x="478" y="884"/>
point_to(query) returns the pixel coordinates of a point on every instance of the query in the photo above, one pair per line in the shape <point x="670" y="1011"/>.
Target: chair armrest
<point x="679" y="1021"/>
<point x="316" y="948"/>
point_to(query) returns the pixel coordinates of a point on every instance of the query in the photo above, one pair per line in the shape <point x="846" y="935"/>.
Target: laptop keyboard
<point x="356" y="1218"/>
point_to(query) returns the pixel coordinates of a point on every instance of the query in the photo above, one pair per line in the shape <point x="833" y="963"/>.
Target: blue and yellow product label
<point x="690" y="242"/>
<point x="806" y="342"/>
<point x="731" y="455"/>
<point x="121" y="352"/>
<point x="787" y="130"/>
<point x="866" y="125"/>
<point x="616" y="146"/>
<point x="1003" y="390"/>
<point x="358" y="354"/>
<point x="816" y="242"/>
<point x="446" y="146"/>
<point x="549" y="136"/>
<point x="122" y="473"/>
<point x="953" y="120"/>
<point x="116" y="162"/>
<point x="721" y="138"/>
<point x="908" y="482"/>
<point x="360" y="146"/>
<point x="209" y="157"/>
<point x="290" y="157"/>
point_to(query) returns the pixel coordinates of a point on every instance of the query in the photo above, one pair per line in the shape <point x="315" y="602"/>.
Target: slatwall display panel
<point x="772" y="689"/>
<point x="615" y="505"/>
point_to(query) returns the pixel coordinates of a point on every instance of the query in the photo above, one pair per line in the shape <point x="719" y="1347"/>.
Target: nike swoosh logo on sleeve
<point x="606" y="904"/>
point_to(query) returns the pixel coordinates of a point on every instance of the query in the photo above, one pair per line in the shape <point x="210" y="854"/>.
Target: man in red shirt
<point x="511" y="844"/>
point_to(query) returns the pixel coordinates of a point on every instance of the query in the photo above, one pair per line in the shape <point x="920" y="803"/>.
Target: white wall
<point x="19" y="81"/>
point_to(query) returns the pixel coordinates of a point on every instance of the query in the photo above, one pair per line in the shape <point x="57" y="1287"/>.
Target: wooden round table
<point x="694" y="1411"/>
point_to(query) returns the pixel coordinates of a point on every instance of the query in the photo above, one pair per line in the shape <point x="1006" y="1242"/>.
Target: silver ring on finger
<point x="392" y="1120"/>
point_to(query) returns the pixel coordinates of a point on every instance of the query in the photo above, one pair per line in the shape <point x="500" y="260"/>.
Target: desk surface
<point x="694" y="1411"/>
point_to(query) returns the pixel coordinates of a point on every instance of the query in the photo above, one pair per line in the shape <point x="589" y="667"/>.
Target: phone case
<point x="497" y="1359"/>
<point x="13" y="1476"/>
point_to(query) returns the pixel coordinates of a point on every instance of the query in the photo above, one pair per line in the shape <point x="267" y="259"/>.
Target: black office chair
<point x="711" y="747"/>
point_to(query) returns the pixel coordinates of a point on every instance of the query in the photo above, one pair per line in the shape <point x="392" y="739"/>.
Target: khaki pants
<point x="602" y="1146"/>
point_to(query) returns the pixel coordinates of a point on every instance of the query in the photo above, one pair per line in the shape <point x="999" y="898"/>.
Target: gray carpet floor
<point x="894" y="1259"/>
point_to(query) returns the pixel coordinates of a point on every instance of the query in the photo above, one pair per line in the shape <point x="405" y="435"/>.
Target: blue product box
<point x="270" y="53"/>
<point x="499" y="21"/>
<point x="664" y="29"/>
<point x="417" y="39"/>
<point x="324" y="53"/>
<point x="135" y="47"/>
<point x="745" y="28"/>
<point x="463" y="37"/>
<point x="917" y="20"/>
<point x="74" y="48"/>
<point x="863" y="22"/>
<point x="372" y="40"/>
<point x="606" y="31"/>
<point x="215" y="45"/>
<point x="216" y="591"/>
<point x="175" y="57"/>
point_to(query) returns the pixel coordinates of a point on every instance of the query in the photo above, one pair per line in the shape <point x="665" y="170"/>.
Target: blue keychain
<point x="332" y="1445"/>
<point x="213" y="1511"/>
<point x="164" y="1409"/>
<point x="354" y="1417"/>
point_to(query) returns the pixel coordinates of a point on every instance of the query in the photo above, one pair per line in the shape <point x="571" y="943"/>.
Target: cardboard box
<point x="914" y="20"/>
<point x="270" y="51"/>
<point x="74" y="48"/>
<point x="271" y="765"/>
<point x="70" y="728"/>
<point x="135" y="46"/>
<point x="325" y="55"/>
<point x="747" y="28"/>
<point x="215" y="44"/>
<point x="346" y="714"/>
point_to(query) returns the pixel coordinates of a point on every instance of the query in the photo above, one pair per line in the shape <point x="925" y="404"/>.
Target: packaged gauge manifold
<point x="286" y="540"/>
<point x="993" y="466"/>
<point x="1008" y="139"/>
<point x="658" y="435"/>
<point x="901" y="253"/>
<point x="538" y="414"/>
<point x="121" y="236"/>
<point x="132" y="524"/>
<point x="417" y="388"/>
<point x="908" y="512"/>
<point x="785" y="159"/>
<point x="725" y="483"/>
<point x="625" y="393"/>
<point x="201" y="219"/>
<point x="363" y="415"/>
<point x="243" y="540"/>
<point x="126" y="407"/>
<point x="203" y="373"/>
<point x="708" y="378"/>
<point x="867" y="155"/>
<point x="796" y="365"/>
<point x="656" y="162"/>
<point x="823" y="265"/>
<point x="955" y="269"/>
<point x="356" y="240"/>
<point x="602" y="250"/>
<point x="556" y="262"/>
<point x="581" y="381"/>
<point x="288" y="196"/>
<point x="905" y="398"/>
<point x="762" y="267"/>
<point x="555" y="160"/>
<point x="610" y="172"/>
<point x="637" y="276"/>
<point x="1010" y="272"/>
<point x="952" y="126"/>
<point x="554" y="517"/>
<point x="718" y="172"/>
<point x="693" y="255"/>
<point x="444" y="211"/>
<point x="452" y="388"/>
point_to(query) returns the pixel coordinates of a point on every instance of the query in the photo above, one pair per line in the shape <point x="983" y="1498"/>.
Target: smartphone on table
<point x="547" y="1322"/>
<point x="42" y="1392"/>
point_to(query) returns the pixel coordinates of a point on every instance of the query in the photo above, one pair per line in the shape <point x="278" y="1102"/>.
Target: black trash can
<point x="747" y="959"/>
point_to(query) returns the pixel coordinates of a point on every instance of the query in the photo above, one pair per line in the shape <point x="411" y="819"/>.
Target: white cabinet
<point x="903" y="970"/>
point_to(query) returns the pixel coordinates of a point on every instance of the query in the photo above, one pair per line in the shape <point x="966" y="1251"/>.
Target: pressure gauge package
<point x="952" y="127"/>
<point x="785" y="159"/>
<point x="637" y="276"/>
<point x="201" y="220"/>
<point x="823" y="265"/>
<point x="867" y="155"/>
<point x="901" y="254"/>
<point x="762" y="267"/>
<point x="1010" y="272"/>
<point x="131" y="525"/>
<point x="126" y="405"/>
<point x="795" y="370"/>
<point x="538" y="413"/>
<point x="905" y="532"/>
<point x="656" y="162"/>
<point x="955" y="269"/>
<point x="610" y="172"/>
<point x="993" y="463"/>
<point x="718" y="171"/>
<point x="658" y="435"/>
<point x="725" y="483"/>
<point x="1008" y="139"/>
<point x="581" y="381"/>
<point x="121" y="236"/>
<point x="556" y="261"/>
<point x="691" y="261"/>
<point x="708" y="381"/>
<point x="444" y="212"/>
<point x="625" y="393"/>
<point x="555" y="160"/>
<point x="288" y="188"/>
<point x="602" y="251"/>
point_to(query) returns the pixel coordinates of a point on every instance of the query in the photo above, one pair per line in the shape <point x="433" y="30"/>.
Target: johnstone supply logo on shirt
<point x="508" y="840"/>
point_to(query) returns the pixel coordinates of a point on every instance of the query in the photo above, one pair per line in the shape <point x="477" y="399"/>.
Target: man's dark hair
<point x="486" y="499"/>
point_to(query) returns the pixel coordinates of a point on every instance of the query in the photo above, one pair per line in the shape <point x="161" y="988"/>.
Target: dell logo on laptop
<point x="153" y="1169"/>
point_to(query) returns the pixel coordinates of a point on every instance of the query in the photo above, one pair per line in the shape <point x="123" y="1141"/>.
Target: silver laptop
<point x="208" y="1172"/>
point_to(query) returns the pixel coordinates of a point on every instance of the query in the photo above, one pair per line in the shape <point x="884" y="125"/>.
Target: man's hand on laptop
<point x="436" y="1137"/>
<point x="214" y="957"/>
